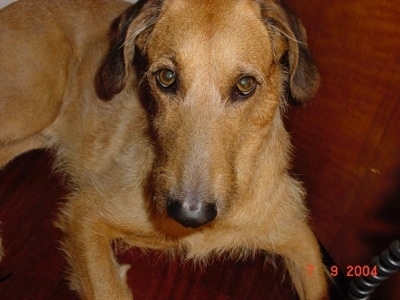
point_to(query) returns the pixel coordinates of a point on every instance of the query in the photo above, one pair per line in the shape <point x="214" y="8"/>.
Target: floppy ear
<point x="130" y="32"/>
<point x="303" y="78"/>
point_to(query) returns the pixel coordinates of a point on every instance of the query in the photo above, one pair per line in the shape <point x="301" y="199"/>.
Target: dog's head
<point x="217" y="73"/>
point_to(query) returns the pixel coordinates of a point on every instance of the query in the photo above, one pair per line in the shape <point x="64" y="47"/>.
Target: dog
<point x="166" y="117"/>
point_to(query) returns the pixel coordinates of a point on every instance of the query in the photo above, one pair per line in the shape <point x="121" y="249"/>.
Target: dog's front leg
<point x="94" y="272"/>
<point x="303" y="261"/>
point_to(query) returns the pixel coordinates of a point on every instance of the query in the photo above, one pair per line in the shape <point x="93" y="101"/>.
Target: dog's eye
<point x="244" y="87"/>
<point x="166" y="78"/>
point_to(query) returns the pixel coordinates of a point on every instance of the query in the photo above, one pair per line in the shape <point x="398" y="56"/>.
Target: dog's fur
<point x="131" y="148"/>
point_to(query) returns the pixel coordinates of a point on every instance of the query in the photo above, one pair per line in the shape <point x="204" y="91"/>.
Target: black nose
<point x="193" y="215"/>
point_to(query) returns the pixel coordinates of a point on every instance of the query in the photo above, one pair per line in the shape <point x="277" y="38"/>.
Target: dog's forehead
<point x="219" y="30"/>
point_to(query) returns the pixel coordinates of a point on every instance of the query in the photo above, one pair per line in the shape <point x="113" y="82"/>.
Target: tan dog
<point x="189" y="154"/>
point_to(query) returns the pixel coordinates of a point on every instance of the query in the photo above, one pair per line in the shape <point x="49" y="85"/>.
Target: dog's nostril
<point x="191" y="216"/>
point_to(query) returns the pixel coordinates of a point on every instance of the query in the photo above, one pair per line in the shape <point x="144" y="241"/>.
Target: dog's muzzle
<point x="193" y="215"/>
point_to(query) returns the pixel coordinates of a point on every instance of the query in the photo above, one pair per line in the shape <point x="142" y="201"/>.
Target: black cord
<point x="387" y="263"/>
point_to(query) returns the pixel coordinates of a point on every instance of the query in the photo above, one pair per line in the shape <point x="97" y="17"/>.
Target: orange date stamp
<point x="355" y="271"/>
<point x="351" y="270"/>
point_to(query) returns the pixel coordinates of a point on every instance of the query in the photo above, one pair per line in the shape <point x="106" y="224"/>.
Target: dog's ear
<point x="294" y="54"/>
<point x="129" y="32"/>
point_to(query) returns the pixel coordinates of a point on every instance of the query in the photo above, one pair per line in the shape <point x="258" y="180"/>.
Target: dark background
<point x="347" y="138"/>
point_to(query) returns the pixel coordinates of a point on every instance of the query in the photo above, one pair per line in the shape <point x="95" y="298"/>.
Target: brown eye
<point x="246" y="86"/>
<point x="166" y="78"/>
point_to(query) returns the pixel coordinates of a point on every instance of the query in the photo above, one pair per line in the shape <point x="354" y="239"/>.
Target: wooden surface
<point x="347" y="138"/>
<point x="347" y="152"/>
